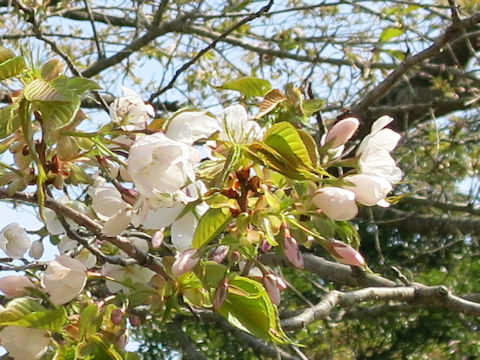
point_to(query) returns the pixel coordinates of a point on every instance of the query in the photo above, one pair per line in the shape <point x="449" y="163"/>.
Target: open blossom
<point x="15" y="285"/>
<point x="53" y="224"/>
<point x="64" y="279"/>
<point x="130" y="111"/>
<point x="190" y="126"/>
<point x="135" y="274"/>
<point x="374" y="152"/>
<point x="336" y="203"/>
<point x="341" y="132"/>
<point x="14" y="240"/>
<point x="369" y="190"/>
<point x="159" y="165"/>
<point x="24" y="343"/>
<point x="84" y="256"/>
<point x="236" y="126"/>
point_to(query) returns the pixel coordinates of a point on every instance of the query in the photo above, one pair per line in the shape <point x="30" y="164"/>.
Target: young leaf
<point x="270" y="102"/>
<point x="5" y="54"/>
<point x="19" y="308"/>
<point x="41" y="90"/>
<point x="249" y="308"/>
<point x="80" y="85"/>
<point x="390" y="33"/>
<point x="47" y="319"/>
<point x="87" y="319"/>
<point x="311" y="106"/>
<point x="8" y="121"/>
<point x="248" y="86"/>
<point x="210" y="225"/>
<point x="12" y="67"/>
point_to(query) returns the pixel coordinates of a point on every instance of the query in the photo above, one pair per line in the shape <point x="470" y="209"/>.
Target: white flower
<point x="190" y="126"/>
<point x="84" y="256"/>
<point x="185" y="262"/>
<point x="341" y="132"/>
<point x="53" y="224"/>
<point x="369" y="190"/>
<point x="159" y="165"/>
<point x="130" y="111"/>
<point x="184" y="228"/>
<point x="64" y="279"/>
<point x="237" y="127"/>
<point x="374" y="152"/>
<point x="24" y="343"/>
<point x="336" y="203"/>
<point x="15" y="285"/>
<point x="134" y="273"/>
<point x="107" y="201"/>
<point x="14" y="241"/>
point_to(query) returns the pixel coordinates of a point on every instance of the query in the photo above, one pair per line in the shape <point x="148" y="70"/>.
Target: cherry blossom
<point x="336" y="203"/>
<point x="130" y="112"/>
<point x="14" y="241"/>
<point x="24" y="343"/>
<point x="15" y="285"/>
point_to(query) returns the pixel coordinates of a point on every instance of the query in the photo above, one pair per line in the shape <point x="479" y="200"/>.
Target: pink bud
<point x="265" y="247"/>
<point x="292" y="253"/>
<point x="341" y="132"/>
<point x="157" y="239"/>
<point x="185" y="262"/>
<point x="15" y="285"/>
<point x="345" y="253"/>
<point x="134" y="320"/>
<point x="220" y="294"/>
<point x="117" y="316"/>
<point x="219" y="254"/>
<point x="270" y="281"/>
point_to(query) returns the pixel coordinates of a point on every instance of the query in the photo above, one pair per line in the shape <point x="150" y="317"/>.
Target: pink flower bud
<point x="185" y="262"/>
<point x="341" y="132"/>
<point x="220" y="294"/>
<point x="15" y="285"/>
<point x="292" y="253"/>
<point x="219" y="254"/>
<point x="36" y="250"/>
<point x="345" y="253"/>
<point x="157" y="239"/>
<point x="270" y="281"/>
<point x="134" y="320"/>
<point x="117" y="316"/>
<point x="265" y="247"/>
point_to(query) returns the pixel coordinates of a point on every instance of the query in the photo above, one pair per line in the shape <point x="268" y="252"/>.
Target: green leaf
<point x="87" y="324"/>
<point x="56" y="116"/>
<point x="47" y="319"/>
<point x="390" y="33"/>
<point x="66" y="353"/>
<point x="12" y="67"/>
<point x="5" y="54"/>
<point x="284" y="138"/>
<point x="18" y="309"/>
<point x="8" y="121"/>
<point x="311" y="106"/>
<point x="80" y="85"/>
<point x="210" y="225"/>
<point x="213" y="273"/>
<point x="99" y="350"/>
<point x="248" y="86"/>
<point x="249" y="308"/>
<point x="41" y="90"/>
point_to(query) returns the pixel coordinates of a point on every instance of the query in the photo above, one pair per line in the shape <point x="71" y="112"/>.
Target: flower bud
<point x="292" y="253"/>
<point x="345" y="253"/>
<point x="219" y="254"/>
<point x="265" y="247"/>
<point x="134" y="320"/>
<point x="270" y="283"/>
<point x="336" y="203"/>
<point x="117" y="316"/>
<point x="185" y="262"/>
<point x="15" y="285"/>
<point x="220" y="294"/>
<point x="341" y="132"/>
<point x="157" y="239"/>
<point x="36" y="250"/>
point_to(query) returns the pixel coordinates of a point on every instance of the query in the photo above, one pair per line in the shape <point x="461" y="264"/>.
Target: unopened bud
<point x="185" y="262"/>
<point x="117" y="316"/>
<point x="292" y="253"/>
<point x="36" y="249"/>
<point x="219" y="254"/>
<point x="345" y="253"/>
<point x="271" y="285"/>
<point x="15" y="285"/>
<point x="157" y="239"/>
<point x="220" y="294"/>
<point x="341" y="132"/>
<point x="265" y="247"/>
<point x="134" y="320"/>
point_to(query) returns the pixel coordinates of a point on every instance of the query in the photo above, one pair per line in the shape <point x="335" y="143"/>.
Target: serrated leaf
<point x="390" y="33"/>
<point x="52" y="69"/>
<point x="8" y="121"/>
<point x="56" y="116"/>
<point x="311" y="146"/>
<point x="41" y="90"/>
<point x="210" y="225"/>
<point x="12" y="67"/>
<point x="47" y="320"/>
<point x="19" y="308"/>
<point x="248" y="86"/>
<point x="270" y="102"/>
<point x="249" y="308"/>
